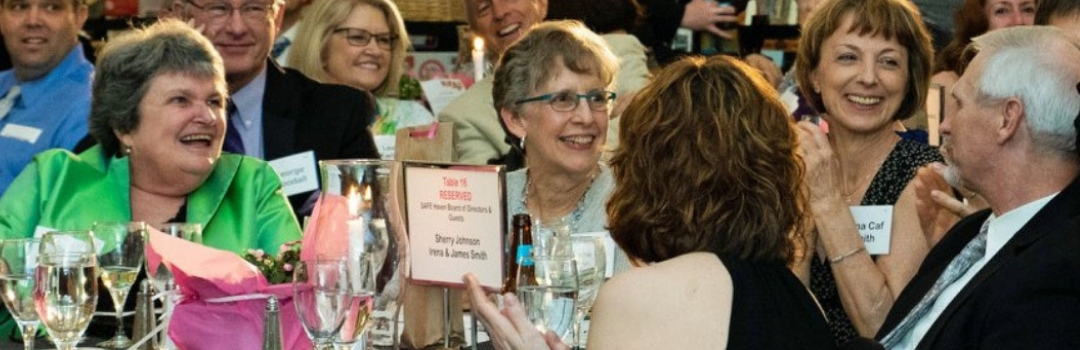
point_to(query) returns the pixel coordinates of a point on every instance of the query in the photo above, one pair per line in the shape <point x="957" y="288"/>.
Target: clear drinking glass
<point x="162" y="279"/>
<point x="550" y="297"/>
<point x="322" y="295"/>
<point x="361" y="301"/>
<point x="191" y="232"/>
<point x="122" y="253"/>
<point x="591" y="259"/>
<point x="18" y="262"/>
<point x="65" y="285"/>
<point x="367" y="186"/>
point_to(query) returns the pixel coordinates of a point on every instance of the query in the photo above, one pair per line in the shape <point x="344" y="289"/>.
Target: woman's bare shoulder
<point x="668" y="303"/>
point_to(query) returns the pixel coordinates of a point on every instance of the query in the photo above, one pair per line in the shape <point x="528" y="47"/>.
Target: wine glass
<point x="361" y="301"/>
<point x="549" y="295"/>
<point x="162" y="279"/>
<point x="121" y="256"/>
<point x="322" y="295"/>
<point x="65" y="285"/>
<point x="191" y="232"/>
<point x="591" y="259"/>
<point x="18" y="262"/>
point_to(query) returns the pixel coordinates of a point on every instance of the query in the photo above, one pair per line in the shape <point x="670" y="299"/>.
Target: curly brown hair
<point x="708" y="163"/>
<point x="890" y="18"/>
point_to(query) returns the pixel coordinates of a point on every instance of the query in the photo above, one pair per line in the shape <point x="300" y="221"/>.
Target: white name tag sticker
<point x="874" y="223"/>
<point x="21" y="132"/>
<point x="298" y="173"/>
<point x="385" y="144"/>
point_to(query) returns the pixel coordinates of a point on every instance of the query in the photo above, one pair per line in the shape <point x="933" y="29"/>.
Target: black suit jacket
<point x="300" y="114"/>
<point x="1026" y="297"/>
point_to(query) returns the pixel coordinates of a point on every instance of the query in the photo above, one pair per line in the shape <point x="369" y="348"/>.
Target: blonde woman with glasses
<point x="359" y="43"/>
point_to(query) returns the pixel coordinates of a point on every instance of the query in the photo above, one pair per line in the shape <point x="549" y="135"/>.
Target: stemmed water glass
<point x="65" y="285"/>
<point x="361" y="301"/>
<point x="162" y="279"/>
<point x="591" y="259"/>
<point x="18" y="262"/>
<point x="550" y="295"/>
<point x="123" y="246"/>
<point x="321" y="294"/>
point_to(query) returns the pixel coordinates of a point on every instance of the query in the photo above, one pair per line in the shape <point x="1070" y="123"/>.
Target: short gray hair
<point x="1036" y="64"/>
<point x="127" y="65"/>
<point x="529" y="63"/>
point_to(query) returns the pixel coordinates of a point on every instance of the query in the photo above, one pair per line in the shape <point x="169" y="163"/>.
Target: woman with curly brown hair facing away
<point x="709" y="201"/>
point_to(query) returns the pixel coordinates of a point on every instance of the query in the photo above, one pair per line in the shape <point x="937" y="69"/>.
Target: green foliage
<point x="277" y="269"/>
<point x="409" y="88"/>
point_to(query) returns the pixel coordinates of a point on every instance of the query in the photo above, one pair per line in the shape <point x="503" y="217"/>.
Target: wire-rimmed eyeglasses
<point x="218" y="10"/>
<point x="565" y="101"/>
<point x="360" y="37"/>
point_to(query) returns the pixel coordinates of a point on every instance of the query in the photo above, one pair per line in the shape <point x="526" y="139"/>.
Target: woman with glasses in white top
<point x="553" y="92"/>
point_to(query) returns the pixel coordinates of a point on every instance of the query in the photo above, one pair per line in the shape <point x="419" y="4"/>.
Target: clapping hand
<point x="509" y="328"/>
<point x="938" y="209"/>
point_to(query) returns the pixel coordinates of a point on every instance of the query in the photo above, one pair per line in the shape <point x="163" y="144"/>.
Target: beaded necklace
<point x="575" y="215"/>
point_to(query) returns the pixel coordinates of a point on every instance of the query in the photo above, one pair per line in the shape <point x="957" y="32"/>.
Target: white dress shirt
<point x="1001" y="230"/>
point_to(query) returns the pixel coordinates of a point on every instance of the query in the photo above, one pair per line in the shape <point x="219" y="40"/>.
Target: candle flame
<point x="478" y="44"/>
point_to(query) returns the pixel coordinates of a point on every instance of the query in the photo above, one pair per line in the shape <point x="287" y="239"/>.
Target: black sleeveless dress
<point x="895" y="173"/>
<point x="772" y="310"/>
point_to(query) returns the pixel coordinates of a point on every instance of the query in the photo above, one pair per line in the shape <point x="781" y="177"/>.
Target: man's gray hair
<point x="128" y="64"/>
<point x="1038" y="65"/>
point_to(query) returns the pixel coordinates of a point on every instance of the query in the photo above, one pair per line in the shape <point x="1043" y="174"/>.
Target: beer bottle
<point x="520" y="263"/>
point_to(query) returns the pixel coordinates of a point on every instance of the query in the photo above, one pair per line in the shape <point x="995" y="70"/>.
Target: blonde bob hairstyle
<point x="309" y="50"/>
<point x="708" y="163"/>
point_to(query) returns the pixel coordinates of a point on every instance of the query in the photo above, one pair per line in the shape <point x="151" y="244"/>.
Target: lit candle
<point x="478" y="58"/>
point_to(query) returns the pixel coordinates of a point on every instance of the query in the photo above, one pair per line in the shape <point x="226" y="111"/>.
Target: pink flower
<point x="257" y="253"/>
<point x="287" y="267"/>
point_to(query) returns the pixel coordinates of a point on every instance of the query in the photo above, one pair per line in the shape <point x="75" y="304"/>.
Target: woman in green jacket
<point x="158" y="115"/>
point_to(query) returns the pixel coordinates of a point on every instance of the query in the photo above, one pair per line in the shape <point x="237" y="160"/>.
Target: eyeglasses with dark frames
<point x="360" y="37"/>
<point x="218" y="10"/>
<point x="565" y="101"/>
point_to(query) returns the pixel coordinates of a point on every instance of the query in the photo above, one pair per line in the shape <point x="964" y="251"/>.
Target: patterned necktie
<point x="972" y="252"/>
<point x="279" y="47"/>
<point x="233" y="142"/>
<point x="9" y="101"/>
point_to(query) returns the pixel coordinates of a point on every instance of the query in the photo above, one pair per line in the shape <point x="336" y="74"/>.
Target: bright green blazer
<point x="241" y="205"/>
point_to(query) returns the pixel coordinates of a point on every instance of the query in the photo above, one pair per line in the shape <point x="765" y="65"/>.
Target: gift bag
<point x="223" y="298"/>
<point x="433" y="142"/>
<point x="424" y="321"/>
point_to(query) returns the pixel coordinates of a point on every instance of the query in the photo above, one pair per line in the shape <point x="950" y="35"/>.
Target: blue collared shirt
<point x="56" y="105"/>
<point x="249" y="104"/>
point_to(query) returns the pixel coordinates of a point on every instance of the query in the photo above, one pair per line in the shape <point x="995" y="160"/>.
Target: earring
<point x="521" y="144"/>
<point x="127" y="150"/>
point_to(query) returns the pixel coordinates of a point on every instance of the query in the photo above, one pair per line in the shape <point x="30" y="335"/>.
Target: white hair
<point x="1038" y="65"/>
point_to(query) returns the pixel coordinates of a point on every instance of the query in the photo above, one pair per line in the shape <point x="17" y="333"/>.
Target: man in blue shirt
<point x="45" y="98"/>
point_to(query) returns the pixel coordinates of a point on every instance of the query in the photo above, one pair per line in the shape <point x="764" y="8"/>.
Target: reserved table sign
<point x="456" y="219"/>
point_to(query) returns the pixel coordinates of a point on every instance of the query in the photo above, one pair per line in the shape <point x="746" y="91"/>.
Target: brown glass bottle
<point x="519" y="259"/>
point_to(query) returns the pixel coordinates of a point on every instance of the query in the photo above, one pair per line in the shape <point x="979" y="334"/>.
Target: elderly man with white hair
<point x="1007" y="277"/>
